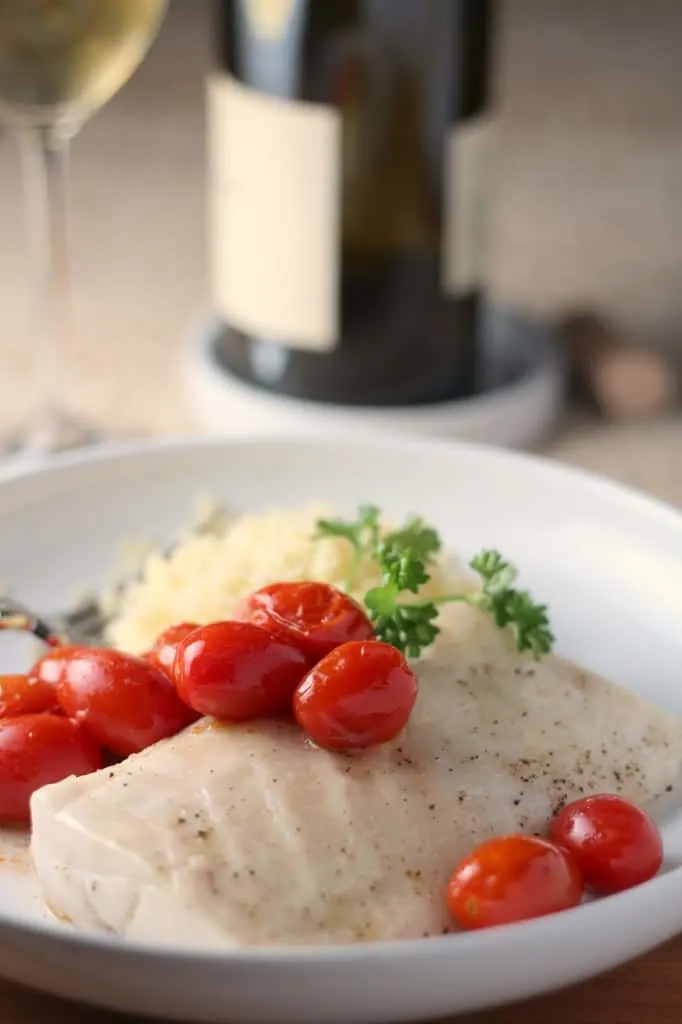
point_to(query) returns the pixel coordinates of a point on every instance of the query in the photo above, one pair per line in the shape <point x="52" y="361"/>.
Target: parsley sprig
<point x="510" y="606"/>
<point x="362" y="535"/>
<point x="404" y="556"/>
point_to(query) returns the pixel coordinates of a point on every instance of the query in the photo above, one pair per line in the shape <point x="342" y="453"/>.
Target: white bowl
<point x="608" y="561"/>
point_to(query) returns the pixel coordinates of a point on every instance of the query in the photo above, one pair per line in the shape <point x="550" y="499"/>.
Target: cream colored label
<point x="269" y="17"/>
<point x="467" y="205"/>
<point x="274" y="217"/>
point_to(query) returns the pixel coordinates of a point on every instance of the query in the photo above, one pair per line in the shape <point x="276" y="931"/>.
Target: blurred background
<point x="586" y="229"/>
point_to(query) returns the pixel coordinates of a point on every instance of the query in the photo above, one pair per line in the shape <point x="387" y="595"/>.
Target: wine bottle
<point x="349" y="145"/>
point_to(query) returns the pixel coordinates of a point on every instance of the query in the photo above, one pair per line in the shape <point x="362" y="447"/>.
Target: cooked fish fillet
<point x="247" y="835"/>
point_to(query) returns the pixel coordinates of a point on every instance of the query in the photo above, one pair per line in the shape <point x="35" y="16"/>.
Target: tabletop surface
<point x="648" y="991"/>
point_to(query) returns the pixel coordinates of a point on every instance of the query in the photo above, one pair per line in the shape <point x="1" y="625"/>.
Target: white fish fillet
<point x="240" y="836"/>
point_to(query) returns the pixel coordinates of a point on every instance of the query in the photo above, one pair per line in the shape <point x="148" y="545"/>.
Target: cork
<point x="622" y="380"/>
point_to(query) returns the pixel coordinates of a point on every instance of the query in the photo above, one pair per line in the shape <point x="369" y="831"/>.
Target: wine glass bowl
<point x="60" y="60"/>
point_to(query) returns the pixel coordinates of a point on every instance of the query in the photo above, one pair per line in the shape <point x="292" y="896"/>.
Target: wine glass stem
<point x="45" y="157"/>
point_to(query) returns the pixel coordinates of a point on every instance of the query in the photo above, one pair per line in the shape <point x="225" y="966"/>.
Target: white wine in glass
<point x="60" y="61"/>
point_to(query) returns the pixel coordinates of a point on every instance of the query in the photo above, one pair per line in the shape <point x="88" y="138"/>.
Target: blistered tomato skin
<point x="125" y="703"/>
<point x="36" y="750"/>
<point x="361" y="695"/>
<point x="314" y="615"/>
<point x="23" y="695"/>
<point x="510" y="879"/>
<point x="615" y="844"/>
<point x="50" y="668"/>
<point x="162" y="653"/>
<point x="237" y="671"/>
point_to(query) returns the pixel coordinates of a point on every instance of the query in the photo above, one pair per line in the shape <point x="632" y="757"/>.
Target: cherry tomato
<point x="50" y="667"/>
<point x="615" y="844"/>
<point x="24" y="695"/>
<point x="125" y="703"/>
<point x="360" y="695"/>
<point x="237" y="671"/>
<point x="512" y="878"/>
<point x="316" y="616"/>
<point x="162" y="653"/>
<point x="36" y="750"/>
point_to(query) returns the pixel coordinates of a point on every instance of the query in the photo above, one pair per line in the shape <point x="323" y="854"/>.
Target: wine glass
<point x="60" y="60"/>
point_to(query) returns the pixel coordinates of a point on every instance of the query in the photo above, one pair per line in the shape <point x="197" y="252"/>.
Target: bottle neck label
<point x="467" y="195"/>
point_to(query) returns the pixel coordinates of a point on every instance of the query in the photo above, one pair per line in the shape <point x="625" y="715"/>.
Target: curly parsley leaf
<point x="509" y="606"/>
<point x="362" y="533"/>
<point x="403" y="557"/>
<point x="422" y="541"/>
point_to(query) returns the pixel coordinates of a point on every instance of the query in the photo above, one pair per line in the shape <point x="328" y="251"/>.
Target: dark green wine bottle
<point x="349" y="147"/>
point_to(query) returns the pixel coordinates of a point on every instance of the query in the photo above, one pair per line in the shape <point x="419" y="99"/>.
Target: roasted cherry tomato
<point x="237" y="671"/>
<point x="50" y="668"/>
<point x="125" y="703"/>
<point x="510" y="879"/>
<point x="615" y="844"/>
<point x="162" y="653"/>
<point x="360" y="695"/>
<point x="24" y="695"/>
<point x="36" y="750"/>
<point x="316" y="616"/>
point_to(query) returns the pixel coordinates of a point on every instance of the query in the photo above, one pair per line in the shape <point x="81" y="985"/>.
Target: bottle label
<point x="274" y="222"/>
<point x="467" y="205"/>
